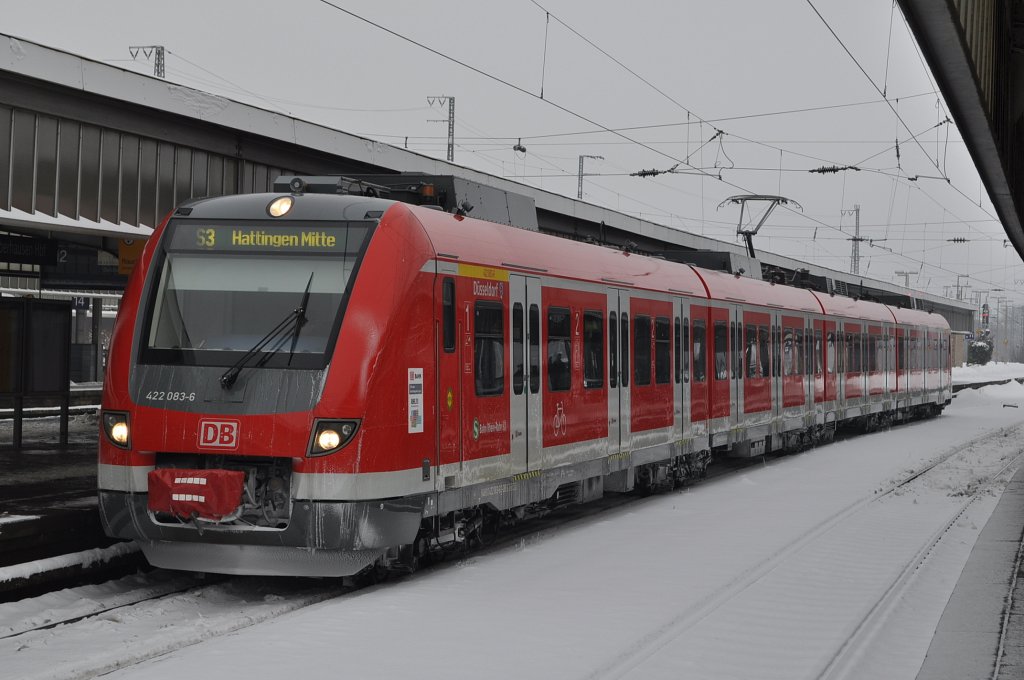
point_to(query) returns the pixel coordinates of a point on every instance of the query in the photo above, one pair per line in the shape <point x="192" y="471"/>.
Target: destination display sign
<point x="320" y="238"/>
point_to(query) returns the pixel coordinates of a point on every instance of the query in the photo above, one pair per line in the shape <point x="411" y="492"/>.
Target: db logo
<point x="218" y="434"/>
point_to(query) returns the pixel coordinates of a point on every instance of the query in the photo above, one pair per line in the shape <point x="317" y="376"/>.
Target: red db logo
<point x="218" y="434"/>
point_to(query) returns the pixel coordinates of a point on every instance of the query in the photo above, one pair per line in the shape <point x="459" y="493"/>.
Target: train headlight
<point x="331" y="435"/>
<point x="280" y="206"/>
<point x="328" y="439"/>
<point x="115" y="425"/>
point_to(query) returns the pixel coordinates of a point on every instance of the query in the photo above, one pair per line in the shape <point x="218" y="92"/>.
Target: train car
<point x="316" y="383"/>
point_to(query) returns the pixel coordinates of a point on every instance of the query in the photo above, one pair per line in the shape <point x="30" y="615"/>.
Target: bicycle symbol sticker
<point x="559" y="421"/>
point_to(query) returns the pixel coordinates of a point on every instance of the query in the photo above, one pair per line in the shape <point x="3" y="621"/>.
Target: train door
<point x="809" y="365"/>
<point x="778" y="398"/>
<point x="757" y="368"/>
<point x="830" y="358"/>
<point x="720" y="393"/>
<point x="900" y="362"/>
<point x="618" y="371"/>
<point x="887" y="358"/>
<point x="525" y="416"/>
<point x="736" y="389"/>
<point x="681" y="345"/>
<point x="698" y="340"/>
<point x="450" y="355"/>
<point x="793" y="390"/>
<point x="817" y="352"/>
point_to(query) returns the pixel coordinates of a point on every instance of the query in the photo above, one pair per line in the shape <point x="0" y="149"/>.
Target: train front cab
<point x="202" y="356"/>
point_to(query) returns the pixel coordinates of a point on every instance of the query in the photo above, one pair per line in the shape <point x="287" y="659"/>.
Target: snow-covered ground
<point x="994" y="370"/>
<point x="810" y="565"/>
<point x="800" y="567"/>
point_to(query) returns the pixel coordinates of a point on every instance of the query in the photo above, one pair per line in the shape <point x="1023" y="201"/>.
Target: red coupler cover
<point x="210" y="494"/>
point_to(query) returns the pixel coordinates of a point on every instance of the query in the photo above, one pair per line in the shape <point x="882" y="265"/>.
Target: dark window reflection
<point x="110" y="176"/>
<point x="46" y="165"/>
<point x="23" y="160"/>
<point x="130" y="179"/>
<point x="89" y="202"/>
<point x="67" y="177"/>
<point x="5" y="157"/>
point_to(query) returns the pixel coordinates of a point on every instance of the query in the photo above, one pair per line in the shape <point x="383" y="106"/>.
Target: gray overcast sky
<point x="708" y="66"/>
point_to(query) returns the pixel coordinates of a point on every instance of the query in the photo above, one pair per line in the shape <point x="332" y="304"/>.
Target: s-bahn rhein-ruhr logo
<point x="218" y="434"/>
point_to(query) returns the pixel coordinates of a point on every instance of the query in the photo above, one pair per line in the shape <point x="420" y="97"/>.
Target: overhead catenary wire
<point x="556" y="105"/>
<point x="698" y="170"/>
<point x="870" y="79"/>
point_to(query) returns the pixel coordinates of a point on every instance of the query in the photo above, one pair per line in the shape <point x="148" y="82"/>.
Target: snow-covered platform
<point x="978" y="631"/>
<point x="47" y="500"/>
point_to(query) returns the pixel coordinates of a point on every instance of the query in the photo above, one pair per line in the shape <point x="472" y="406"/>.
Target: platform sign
<point x="129" y="250"/>
<point x="80" y="267"/>
<point x="27" y="250"/>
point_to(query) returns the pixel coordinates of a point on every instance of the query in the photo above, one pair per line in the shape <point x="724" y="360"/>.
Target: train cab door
<point x="450" y="357"/>
<point x="525" y="401"/>
<point x="618" y="371"/>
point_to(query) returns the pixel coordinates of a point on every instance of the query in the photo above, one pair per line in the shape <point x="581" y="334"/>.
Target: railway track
<point x="843" y="663"/>
<point x="190" y="611"/>
<point x="824" y="537"/>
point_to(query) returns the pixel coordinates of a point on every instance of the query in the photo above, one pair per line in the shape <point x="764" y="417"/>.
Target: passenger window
<point x="735" y="350"/>
<point x="787" y="352"/>
<point x="624" y="336"/>
<point x="721" y="350"/>
<point x="642" y="349"/>
<point x="489" y="350"/>
<point x="699" y="349"/>
<point x="809" y="352"/>
<point x="534" y="335"/>
<point x="750" y="353"/>
<point x="559" y="350"/>
<point x="678" y="351"/>
<point x="830" y="352"/>
<point x="593" y="349"/>
<point x="819" y="366"/>
<point x="776" y="351"/>
<point x="448" y="314"/>
<point x="662" y="351"/>
<point x="517" y="348"/>
<point x="613" y="349"/>
<point x="686" y="350"/>
<point x="763" y="350"/>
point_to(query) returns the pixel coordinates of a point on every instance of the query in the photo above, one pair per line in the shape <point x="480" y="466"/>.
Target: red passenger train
<point x="307" y="383"/>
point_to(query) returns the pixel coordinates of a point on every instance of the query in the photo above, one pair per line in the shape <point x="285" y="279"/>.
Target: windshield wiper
<point x="300" y="319"/>
<point x="289" y="325"/>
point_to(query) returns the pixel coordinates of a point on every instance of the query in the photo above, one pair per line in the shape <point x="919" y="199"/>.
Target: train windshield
<point x="225" y="291"/>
